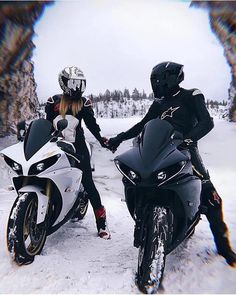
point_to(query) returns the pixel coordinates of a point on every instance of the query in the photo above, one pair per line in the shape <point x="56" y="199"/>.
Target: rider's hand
<point x="187" y="143"/>
<point x="114" y="142"/>
<point x="104" y="143"/>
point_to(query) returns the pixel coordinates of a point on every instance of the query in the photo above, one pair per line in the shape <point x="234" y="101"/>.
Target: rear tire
<point x="25" y="238"/>
<point x="152" y="252"/>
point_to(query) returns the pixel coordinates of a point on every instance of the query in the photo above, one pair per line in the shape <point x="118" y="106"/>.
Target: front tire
<point x="25" y="238"/>
<point x="152" y="252"/>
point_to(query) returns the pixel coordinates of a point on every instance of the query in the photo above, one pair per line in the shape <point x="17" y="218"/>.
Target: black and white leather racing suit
<point x="75" y="134"/>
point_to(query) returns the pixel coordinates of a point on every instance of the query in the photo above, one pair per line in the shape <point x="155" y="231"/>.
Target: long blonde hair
<point x="66" y="103"/>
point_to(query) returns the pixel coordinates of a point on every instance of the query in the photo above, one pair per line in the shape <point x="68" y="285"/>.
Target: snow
<point x="75" y="260"/>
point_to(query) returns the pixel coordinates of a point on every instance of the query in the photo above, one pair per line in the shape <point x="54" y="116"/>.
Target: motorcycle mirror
<point x="21" y="126"/>
<point x="62" y="124"/>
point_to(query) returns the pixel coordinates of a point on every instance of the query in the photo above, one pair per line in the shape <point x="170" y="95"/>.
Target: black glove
<point x="114" y="142"/>
<point x="104" y="142"/>
<point x="186" y="143"/>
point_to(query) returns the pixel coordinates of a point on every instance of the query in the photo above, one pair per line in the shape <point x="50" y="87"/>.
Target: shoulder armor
<point x="87" y="102"/>
<point x="57" y="97"/>
<point x="54" y="99"/>
<point x="196" y="92"/>
<point x="50" y="100"/>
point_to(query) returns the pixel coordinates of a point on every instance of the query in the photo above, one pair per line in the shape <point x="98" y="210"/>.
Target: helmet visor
<point x="74" y="84"/>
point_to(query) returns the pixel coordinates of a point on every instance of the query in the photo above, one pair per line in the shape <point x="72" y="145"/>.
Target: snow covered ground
<point x="75" y="260"/>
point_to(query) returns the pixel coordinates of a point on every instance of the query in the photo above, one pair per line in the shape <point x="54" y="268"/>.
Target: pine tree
<point x="107" y="95"/>
<point x="126" y="93"/>
<point x="135" y="94"/>
<point x="144" y="95"/>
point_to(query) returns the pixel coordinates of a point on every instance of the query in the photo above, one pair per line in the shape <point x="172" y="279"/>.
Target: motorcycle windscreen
<point x="155" y="136"/>
<point x="38" y="134"/>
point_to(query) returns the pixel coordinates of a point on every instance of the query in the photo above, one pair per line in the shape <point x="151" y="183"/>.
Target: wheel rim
<point x="33" y="234"/>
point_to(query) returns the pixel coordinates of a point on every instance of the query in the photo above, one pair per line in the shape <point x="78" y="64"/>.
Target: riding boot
<point x="101" y="221"/>
<point x="211" y="205"/>
<point x="219" y="228"/>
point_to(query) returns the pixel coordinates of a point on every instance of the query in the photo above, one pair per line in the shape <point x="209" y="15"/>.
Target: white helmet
<point x="72" y="82"/>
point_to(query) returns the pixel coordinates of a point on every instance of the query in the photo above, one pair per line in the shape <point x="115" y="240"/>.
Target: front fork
<point x="140" y="217"/>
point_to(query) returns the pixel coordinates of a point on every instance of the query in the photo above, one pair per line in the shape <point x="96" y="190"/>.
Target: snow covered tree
<point x="126" y="93"/>
<point x="144" y="95"/>
<point x="107" y="95"/>
<point x="135" y="94"/>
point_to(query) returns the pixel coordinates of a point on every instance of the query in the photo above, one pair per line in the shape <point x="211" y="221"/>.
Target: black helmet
<point x="72" y="82"/>
<point x="165" y="77"/>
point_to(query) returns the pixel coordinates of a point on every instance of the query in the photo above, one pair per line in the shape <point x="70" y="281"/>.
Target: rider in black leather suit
<point x="187" y="112"/>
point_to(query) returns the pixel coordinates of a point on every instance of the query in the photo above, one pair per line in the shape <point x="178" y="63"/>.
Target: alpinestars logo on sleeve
<point x="169" y="113"/>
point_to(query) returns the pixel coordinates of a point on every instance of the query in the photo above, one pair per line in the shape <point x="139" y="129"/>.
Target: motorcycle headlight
<point x="14" y="165"/>
<point x="169" y="173"/>
<point x="40" y="166"/>
<point x="131" y="175"/>
<point x="43" y="165"/>
<point x="161" y="175"/>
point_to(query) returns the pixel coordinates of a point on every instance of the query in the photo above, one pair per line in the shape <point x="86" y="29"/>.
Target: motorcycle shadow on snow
<point x="69" y="232"/>
<point x="186" y="254"/>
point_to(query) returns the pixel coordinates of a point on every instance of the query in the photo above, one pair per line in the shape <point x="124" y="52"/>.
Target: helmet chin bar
<point x="161" y="91"/>
<point x="164" y="91"/>
<point x="75" y="94"/>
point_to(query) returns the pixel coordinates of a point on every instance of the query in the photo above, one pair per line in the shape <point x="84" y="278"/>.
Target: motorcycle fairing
<point x="15" y="153"/>
<point x="156" y="150"/>
<point x="155" y="136"/>
<point x="56" y="173"/>
<point x="42" y="200"/>
<point x="65" y="185"/>
<point x="183" y="193"/>
<point x="188" y="191"/>
<point x="133" y="159"/>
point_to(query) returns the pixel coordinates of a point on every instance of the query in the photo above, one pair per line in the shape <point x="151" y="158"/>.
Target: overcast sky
<point x="116" y="43"/>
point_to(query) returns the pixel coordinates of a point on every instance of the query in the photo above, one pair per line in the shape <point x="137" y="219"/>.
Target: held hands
<point x="112" y="143"/>
<point x="105" y="143"/>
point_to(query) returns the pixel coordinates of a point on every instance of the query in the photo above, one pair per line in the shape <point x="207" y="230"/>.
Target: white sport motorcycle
<point x="47" y="179"/>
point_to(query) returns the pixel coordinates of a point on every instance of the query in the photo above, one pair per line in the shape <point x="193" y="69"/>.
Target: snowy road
<point x="75" y="260"/>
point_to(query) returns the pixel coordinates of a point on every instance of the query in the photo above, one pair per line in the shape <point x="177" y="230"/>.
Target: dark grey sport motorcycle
<point x="162" y="195"/>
